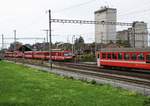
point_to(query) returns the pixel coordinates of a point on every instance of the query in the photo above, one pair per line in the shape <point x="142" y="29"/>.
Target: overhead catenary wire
<point x="74" y="6"/>
<point x="89" y="22"/>
<point x="24" y="38"/>
<point x="135" y="12"/>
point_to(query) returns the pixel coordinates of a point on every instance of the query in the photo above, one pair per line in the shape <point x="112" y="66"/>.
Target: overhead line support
<point x="89" y="22"/>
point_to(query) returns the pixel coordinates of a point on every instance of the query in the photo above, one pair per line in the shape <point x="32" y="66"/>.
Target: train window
<point x="141" y="56"/>
<point x="148" y="57"/>
<point x="120" y="56"/>
<point x="114" y="56"/>
<point x="103" y="55"/>
<point x="67" y="54"/>
<point x="133" y="56"/>
<point x="109" y="56"/>
<point x="126" y="56"/>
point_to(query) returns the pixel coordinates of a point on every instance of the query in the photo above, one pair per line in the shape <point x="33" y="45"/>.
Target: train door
<point x="98" y="59"/>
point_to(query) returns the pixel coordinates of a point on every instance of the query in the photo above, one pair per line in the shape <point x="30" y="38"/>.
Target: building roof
<point x="104" y="9"/>
<point x="24" y="48"/>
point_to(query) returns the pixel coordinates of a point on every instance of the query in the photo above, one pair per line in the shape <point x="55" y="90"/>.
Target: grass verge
<point x="24" y="86"/>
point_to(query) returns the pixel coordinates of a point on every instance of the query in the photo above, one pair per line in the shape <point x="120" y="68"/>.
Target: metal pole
<point x="73" y="44"/>
<point x="46" y="30"/>
<point x="50" y="40"/>
<point x="46" y="38"/>
<point x="2" y="41"/>
<point x="134" y="36"/>
<point x="15" y="39"/>
<point x="23" y="50"/>
<point x="15" y="43"/>
<point x="2" y="51"/>
<point x="44" y="48"/>
<point x="46" y="35"/>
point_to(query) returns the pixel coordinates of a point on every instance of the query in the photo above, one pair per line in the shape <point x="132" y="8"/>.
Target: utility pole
<point x="44" y="48"/>
<point x="14" y="40"/>
<point x="134" y="36"/>
<point x="73" y="44"/>
<point x="50" y="40"/>
<point x="101" y="46"/>
<point x="46" y="30"/>
<point x="2" y="41"/>
<point x="15" y="43"/>
<point x="2" y="51"/>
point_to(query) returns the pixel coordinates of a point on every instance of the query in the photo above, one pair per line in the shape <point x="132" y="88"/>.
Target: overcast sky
<point x="29" y="17"/>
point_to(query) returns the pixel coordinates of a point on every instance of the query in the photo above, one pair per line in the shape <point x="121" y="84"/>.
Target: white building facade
<point x="138" y="35"/>
<point x="105" y="33"/>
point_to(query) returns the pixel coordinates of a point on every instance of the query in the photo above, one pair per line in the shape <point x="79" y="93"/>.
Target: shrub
<point x="93" y="82"/>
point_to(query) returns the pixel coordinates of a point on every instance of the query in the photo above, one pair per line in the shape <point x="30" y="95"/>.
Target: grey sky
<point x="29" y="17"/>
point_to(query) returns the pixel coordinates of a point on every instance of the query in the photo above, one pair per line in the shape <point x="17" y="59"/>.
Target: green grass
<point x="23" y="86"/>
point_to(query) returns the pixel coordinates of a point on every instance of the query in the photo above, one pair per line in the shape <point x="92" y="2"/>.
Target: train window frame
<point x="126" y="56"/>
<point x="68" y="54"/>
<point x="120" y="56"/>
<point x="103" y="55"/>
<point x="114" y="56"/>
<point x="148" y="59"/>
<point x="134" y="56"/>
<point x="140" y="58"/>
<point x="108" y="55"/>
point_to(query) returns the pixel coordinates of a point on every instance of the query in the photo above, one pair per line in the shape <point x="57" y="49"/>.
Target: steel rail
<point x="138" y="81"/>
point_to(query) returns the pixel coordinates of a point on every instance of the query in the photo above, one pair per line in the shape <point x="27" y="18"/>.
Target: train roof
<point x="125" y="49"/>
<point x="52" y="51"/>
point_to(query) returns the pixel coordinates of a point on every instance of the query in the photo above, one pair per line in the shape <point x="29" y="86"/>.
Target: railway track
<point x="94" y="71"/>
<point x="132" y="73"/>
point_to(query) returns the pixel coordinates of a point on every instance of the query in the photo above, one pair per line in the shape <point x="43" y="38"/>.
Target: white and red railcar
<point x="16" y="54"/>
<point x="55" y="55"/>
<point x="128" y="58"/>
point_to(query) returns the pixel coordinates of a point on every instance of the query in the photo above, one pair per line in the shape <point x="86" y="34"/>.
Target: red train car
<point x="127" y="58"/>
<point x="8" y="54"/>
<point x="16" y="54"/>
<point x="28" y="55"/>
<point x="39" y="55"/>
<point x="56" y="55"/>
<point x="61" y="55"/>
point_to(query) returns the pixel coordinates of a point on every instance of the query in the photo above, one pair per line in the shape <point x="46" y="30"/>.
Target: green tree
<point x="125" y="43"/>
<point x="15" y="46"/>
<point x="79" y="44"/>
<point x="119" y="42"/>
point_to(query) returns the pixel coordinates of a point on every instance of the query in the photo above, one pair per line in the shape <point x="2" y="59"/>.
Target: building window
<point x="120" y="56"/>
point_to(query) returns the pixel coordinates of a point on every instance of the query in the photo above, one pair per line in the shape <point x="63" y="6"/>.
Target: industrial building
<point x="137" y="35"/>
<point x="105" y="33"/>
<point x="123" y="35"/>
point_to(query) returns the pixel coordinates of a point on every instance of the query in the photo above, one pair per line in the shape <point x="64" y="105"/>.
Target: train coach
<point x="16" y="54"/>
<point x="124" y="58"/>
<point x="44" y="55"/>
<point x="55" y="55"/>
